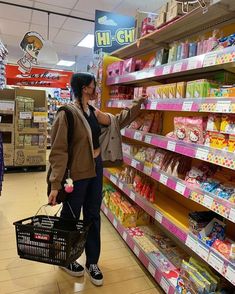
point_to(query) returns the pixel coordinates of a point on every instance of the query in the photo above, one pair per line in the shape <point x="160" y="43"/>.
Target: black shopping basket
<point x="51" y="239"/>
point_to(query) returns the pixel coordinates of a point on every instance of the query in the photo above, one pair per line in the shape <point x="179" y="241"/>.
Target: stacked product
<point x="149" y="123"/>
<point x="3" y="55"/>
<point x="121" y="92"/>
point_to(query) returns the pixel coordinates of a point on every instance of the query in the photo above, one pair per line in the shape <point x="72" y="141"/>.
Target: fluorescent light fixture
<point x="65" y="62"/>
<point x="87" y="42"/>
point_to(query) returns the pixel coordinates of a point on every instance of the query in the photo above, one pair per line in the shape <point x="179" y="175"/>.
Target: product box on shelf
<point x="202" y="88"/>
<point x="161" y="56"/>
<point x="190" y="89"/>
<point x="140" y="16"/>
<point x="115" y="69"/>
<point x="25" y="157"/>
<point x="128" y="65"/>
<point x="174" y="11"/>
<point x="228" y="92"/>
<point x="181" y="90"/>
<point x="161" y="19"/>
<point x="214" y="230"/>
<point x="30" y="141"/>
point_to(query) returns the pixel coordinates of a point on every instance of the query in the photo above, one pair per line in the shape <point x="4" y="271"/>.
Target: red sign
<point x="38" y="77"/>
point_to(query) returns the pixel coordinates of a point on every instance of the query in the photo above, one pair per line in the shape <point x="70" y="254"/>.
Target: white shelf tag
<point x="223" y="106"/>
<point x="147" y="139"/>
<point x="216" y="262"/>
<point x="151" y="269"/>
<point x="230" y="274"/>
<point x="136" y="251"/>
<point x="153" y="105"/>
<point x="166" y="69"/>
<point x="177" y="67"/>
<point x="115" y="223"/>
<point x="191" y="243"/>
<point x="120" y="185"/>
<point x="124" y="236"/>
<point x="210" y="59"/>
<point x="134" y="163"/>
<point x="171" y="145"/>
<point x="40" y="117"/>
<point x="163" y="179"/>
<point x="202" y="251"/>
<point x="158" y="216"/>
<point x="165" y="285"/>
<point x="232" y="215"/>
<point x="113" y="179"/>
<point x="187" y="106"/>
<point x="123" y="132"/>
<point x="192" y="64"/>
<point x="138" y="136"/>
<point x="132" y="195"/>
<point x="202" y="153"/>
<point x="26" y="115"/>
<point x="180" y="188"/>
<point x="208" y="201"/>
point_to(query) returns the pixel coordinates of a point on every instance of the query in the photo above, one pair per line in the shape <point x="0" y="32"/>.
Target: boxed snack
<point x="161" y="19"/>
<point x="174" y="11"/>
<point x="165" y="91"/>
<point x="150" y="92"/>
<point x="228" y="124"/>
<point x="224" y="247"/>
<point x="181" y="90"/>
<point x="180" y="130"/>
<point x="199" y="220"/>
<point x="172" y="90"/>
<point x="231" y="143"/>
<point x="202" y="88"/>
<point x="161" y="56"/>
<point x="159" y="91"/>
<point x="213" y="122"/>
<point x="115" y="69"/>
<point x="139" y="64"/>
<point x="195" y="127"/>
<point x="128" y="65"/>
<point x="213" y="231"/>
<point x="190" y="89"/>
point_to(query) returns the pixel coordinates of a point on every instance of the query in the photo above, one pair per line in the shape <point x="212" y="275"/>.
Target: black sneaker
<point x="74" y="269"/>
<point x="95" y="274"/>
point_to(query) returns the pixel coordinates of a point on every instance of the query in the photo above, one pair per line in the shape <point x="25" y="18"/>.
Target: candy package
<point x="213" y="122"/>
<point x="195" y="128"/>
<point x="147" y="123"/>
<point x="180" y="128"/>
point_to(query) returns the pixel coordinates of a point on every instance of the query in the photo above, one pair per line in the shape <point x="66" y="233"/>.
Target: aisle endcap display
<point x="188" y="25"/>
<point x="211" y="61"/>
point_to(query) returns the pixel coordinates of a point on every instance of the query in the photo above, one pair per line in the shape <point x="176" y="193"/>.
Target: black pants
<point x="87" y="195"/>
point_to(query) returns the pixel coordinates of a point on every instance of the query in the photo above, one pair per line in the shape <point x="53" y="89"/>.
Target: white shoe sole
<point x="94" y="281"/>
<point x="74" y="274"/>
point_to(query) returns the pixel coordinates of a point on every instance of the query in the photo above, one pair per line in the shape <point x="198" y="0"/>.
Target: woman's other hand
<point x="52" y="197"/>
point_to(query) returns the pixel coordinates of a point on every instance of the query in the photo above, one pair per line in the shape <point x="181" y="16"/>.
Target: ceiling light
<point x="87" y="42"/>
<point x="65" y="62"/>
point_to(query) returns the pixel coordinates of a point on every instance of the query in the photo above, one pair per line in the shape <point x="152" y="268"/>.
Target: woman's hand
<point x="52" y="197"/>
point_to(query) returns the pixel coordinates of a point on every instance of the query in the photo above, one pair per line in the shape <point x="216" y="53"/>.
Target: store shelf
<point x="208" y="200"/>
<point x="210" y="105"/>
<point x="155" y="271"/>
<point x="212" y="155"/>
<point x="211" y="61"/>
<point x="31" y="131"/>
<point x="208" y="254"/>
<point x="221" y="12"/>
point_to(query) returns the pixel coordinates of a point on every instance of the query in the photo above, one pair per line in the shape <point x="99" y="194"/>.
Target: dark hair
<point x="78" y="82"/>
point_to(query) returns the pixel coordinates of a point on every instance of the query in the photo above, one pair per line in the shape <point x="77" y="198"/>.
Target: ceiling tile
<point x="106" y="5"/>
<point x="51" y="7"/>
<point x="68" y="37"/>
<point x="14" y="13"/>
<point x="22" y="2"/>
<point x="14" y="28"/>
<point x="130" y="7"/>
<point x="39" y="18"/>
<point x="79" y="26"/>
<point x="83" y="14"/>
<point x="62" y="3"/>
<point x="43" y="31"/>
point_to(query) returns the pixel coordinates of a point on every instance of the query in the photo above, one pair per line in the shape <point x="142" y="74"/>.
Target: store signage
<point x="38" y="77"/>
<point x="113" y="31"/>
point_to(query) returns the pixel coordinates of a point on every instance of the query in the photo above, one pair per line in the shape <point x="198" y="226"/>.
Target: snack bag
<point x="213" y="123"/>
<point x="180" y="128"/>
<point x="158" y="158"/>
<point x="147" y="123"/>
<point x="195" y="127"/>
<point x="137" y="123"/>
<point x="228" y="124"/>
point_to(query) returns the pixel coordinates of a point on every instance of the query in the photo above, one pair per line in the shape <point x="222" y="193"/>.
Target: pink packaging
<point x="180" y="128"/>
<point x="205" y="46"/>
<point x="115" y="69"/>
<point x="136" y="92"/>
<point x="139" y="64"/>
<point x="185" y="50"/>
<point x="195" y="128"/>
<point x="142" y="91"/>
<point x="200" y="47"/>
<point x="128" y="65"/>
<point x="150" y="92"/>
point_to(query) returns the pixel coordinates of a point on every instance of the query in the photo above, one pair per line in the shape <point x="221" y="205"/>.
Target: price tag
<point x="208" y="201"/>
<point x="210" y="59"/>
<point x="166" y="70"/>
<point x="132" y="195"/>
<point x="138" y="136"/>
<point x="7" y="105"/>
<point x="171" y="145"/>
<point x="147" y="139"/>
<point x="191" y="243"/>
<point x="232" y="215"/>
<point x="202" y="251"/>
<point x="40" y="117"/>
<point x="163" y="179"/>
<point x="124" y="236"/>
<point x="123" y="132"/>
<point x="120" y="185"/>
<point x="180" y="188"/>
<point x="119" y="104"/>
<point x="165" y="285"/>
<point x="192" y="64"/>
<point x="115" y="223"/>
<point x="26" y="115"/>
<point x="216" y="262"/>
<point x="187" y="106"/>
<point x="113" y="179"/>
<point x="153" y="105"/>
<point x="158" y="216"/>
<point x="177" y="67"/>
<point x="223" y="106"/>
<point x="136" y="251"/>
<point x="202" y="153"/>
<point x="230" y="274"/>
<point x="106" y="211"/>
<point x="151" y="269"/>
<point x="134" y="163"/>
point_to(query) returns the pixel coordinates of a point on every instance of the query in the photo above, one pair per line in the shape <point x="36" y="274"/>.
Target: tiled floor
<point x="23" y="194"/>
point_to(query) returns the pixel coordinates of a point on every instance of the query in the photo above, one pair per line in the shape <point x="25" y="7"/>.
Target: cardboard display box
<point x="25" y="157"/>
<point x="8" y="154"/>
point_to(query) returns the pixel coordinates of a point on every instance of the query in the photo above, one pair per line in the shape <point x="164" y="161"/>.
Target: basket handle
<point x="73" y="214"/>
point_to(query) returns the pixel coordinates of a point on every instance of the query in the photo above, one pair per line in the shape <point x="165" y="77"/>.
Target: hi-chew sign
<point x="113" y="31"/>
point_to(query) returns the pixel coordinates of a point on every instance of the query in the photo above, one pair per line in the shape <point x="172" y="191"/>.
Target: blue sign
<point x="113" y="31"/>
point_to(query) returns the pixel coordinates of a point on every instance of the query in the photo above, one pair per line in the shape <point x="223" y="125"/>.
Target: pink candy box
<point x="129" y="65"/>
<point x="115" y="69"/>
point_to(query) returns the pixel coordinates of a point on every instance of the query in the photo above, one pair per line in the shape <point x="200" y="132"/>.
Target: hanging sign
<point x="113" y="31"/>
<point x="38" y="77"/>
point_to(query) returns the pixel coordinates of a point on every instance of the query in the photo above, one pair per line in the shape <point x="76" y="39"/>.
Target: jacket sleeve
<point x="59" y="150"/>
<point x="126" y="116"/>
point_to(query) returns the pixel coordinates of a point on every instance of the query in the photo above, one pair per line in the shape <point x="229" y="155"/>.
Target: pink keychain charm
<point x="68" y="185"/>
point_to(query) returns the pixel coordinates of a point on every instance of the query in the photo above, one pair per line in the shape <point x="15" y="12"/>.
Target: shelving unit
<point x="174" y="218"/>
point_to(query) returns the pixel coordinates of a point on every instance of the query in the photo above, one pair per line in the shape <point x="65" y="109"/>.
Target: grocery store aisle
<point x="22" y="195"/>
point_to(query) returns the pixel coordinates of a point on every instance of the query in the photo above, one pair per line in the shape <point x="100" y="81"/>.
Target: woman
<point x="90" y="145"/>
